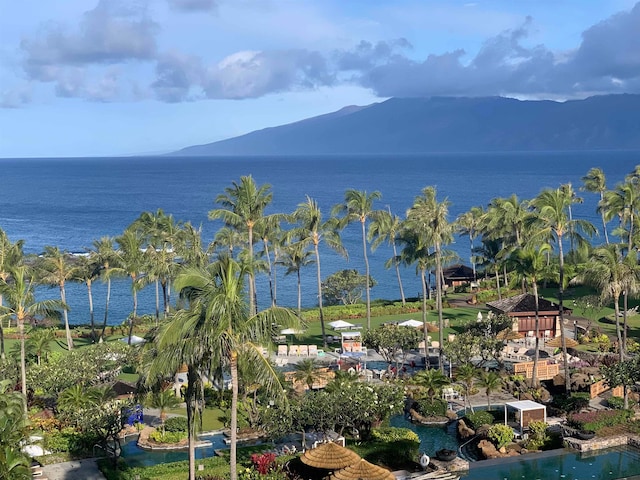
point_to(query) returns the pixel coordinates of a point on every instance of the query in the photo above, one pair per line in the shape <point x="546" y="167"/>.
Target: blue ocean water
<point x="72" y="202"/>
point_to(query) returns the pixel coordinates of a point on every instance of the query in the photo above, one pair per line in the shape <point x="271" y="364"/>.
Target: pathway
<point x="86" y="469"/>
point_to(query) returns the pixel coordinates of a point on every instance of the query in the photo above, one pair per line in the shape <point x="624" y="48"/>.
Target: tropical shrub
<point x="479" y="418"/>
<point x="537" y="435"/>
<point x="264" y="462"/>
<point x="175" y="424"/>
<point x="431" y="408"/>
<point x="572" y="403"/>
<point x="594" y="421"/>
<point x="393" y="447"/>
<point x="618" y="403"/>
<point x="394" y="434"/>
<point x="501" y="435"/>
<point x="167" y="437"/>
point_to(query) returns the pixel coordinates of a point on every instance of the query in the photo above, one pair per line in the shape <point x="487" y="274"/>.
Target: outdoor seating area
<point x="299" y="351"/>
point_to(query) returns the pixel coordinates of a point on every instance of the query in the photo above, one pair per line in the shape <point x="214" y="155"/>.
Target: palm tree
<point x="470" y="224"/>
<point x="529" y="263"/>
<point x="132" y="258"/>
<point x="10" y="256"/>
<point x="243" y="206"/>
<point x="295" y="256"/>
<point x="13" y="463"/>
<point x="490" y="382"/>
<point x="56" y="269"/>
<point x="466" y="375"/>
<point x="551" y="221"/>
<point x="612" y="273"/>
<point x="218" y="328"/>
<point x="86" y="271"/>
<point x="428" y="218"/>
<point x="311" y="230"/>
<point x="40" y="342"/>
<point x="573" y="198"/>
<point x="307" y="371"/>
<point x="189" y="247"/>
<point x="75" y="397"/>
<point x="104" y="254"/>
<point x="163" y="400"/>
<point x="432" y="381"/>
<point x="22" y="305"/>
<point x="385" y="227"/>
<point x="595" y="182"/>
<point x="489" y="254"/>
<point x="358" y="206"/>
<point x="269" y="231"/>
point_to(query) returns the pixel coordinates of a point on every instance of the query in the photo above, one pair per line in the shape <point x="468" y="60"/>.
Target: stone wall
<point x="598" y="443"/>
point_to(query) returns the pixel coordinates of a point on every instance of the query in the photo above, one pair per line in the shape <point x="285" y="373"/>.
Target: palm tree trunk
<point x="424" y="317"/>
<point x="91" y="316"/>
<point x="317" y="251"/>
<point x="234" y="414"/>
<point x="63" y="297"/>
<point x="252" y="285"/>
<point x="299" y="294"/>
<point x="157" y="301"/>
<point x="534" y="373"/>
<point x="23" y="360"/>
<point x="366" y="267"/>
<point x="165" y="301"/>
<point x="616" y="307"/>
<point x="604" y="223"/>
<point x="624" y="316"/>
<point x="2" y="354"/>
<point x="191" y="421"/>
<point x="269" y="273"/>
<point x="498" y="284"/>
<point x="397" y="264"/>
<point x="439" y="303"/>
<point x="563" y="338"/>
<point x="106" y="309"/>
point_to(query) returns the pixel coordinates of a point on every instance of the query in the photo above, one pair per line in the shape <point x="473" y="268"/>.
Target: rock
<point x="451" y="415"/>
<point x="464" y="432"/>
<point x="488" y="449"/>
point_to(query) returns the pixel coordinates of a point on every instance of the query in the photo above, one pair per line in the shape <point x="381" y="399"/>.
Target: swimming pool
<point x="610" y="464"/>
<point x="432" y="439"/>
<point x="138" y="457"/>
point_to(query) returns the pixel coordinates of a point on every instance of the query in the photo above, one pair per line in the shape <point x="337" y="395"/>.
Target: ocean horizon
<point x="70" y="202"/>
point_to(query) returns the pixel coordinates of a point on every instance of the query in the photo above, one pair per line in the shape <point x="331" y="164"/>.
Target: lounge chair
<point x="303" y="350"/>
<point x="313" y="350"/>
<point x="282" y="350"/>
<point x="294" y="350"/>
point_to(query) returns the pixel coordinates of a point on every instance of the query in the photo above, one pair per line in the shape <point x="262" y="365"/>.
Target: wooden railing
<point x="546" y="370"/>
<point x="601" y="386"/>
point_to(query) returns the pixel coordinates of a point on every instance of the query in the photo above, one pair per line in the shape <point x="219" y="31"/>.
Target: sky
<point x="126" y="77"/>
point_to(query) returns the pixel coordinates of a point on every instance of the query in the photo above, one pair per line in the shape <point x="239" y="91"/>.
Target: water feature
<point x="614" y="463"/>
<point x="432" y="439"/>
<point x="138" y="457"/>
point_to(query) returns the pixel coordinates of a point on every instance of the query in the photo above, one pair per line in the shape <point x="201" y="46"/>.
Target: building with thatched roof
<point x="457" y="275"/>
<point x="522" y="309"/>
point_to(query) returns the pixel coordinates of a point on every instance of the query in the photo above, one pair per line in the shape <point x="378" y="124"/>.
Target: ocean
<point x="71" y="202"/>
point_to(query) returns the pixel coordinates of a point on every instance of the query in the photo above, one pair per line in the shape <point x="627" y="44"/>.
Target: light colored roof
<point x="351" y="334"/>
<point x="341" y="324"/>
<point x="526" y="405"/>
<point x="411" y="323"/>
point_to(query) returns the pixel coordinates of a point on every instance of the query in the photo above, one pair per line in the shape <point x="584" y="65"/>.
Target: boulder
<point x="464" y="432"/>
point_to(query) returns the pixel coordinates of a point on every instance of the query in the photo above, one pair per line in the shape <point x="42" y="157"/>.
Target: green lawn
<point x="210" y="417"/>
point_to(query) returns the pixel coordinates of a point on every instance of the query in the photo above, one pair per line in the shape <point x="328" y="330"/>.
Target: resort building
<point x="457" y="275"/>
<point x="522" y="309"/>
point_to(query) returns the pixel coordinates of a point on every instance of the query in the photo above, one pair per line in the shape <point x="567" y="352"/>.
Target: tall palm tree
<point x="432" y="381"/>
<point x="218" y="327"/>
<point x="429" y="218"/>
<point x="470" y="224"/>
<point x="466" y="375"/>
<point x="270" y="232"/>
<point x="595" y="182"/>
<point x="490" y="382"/>
<point x="243" y="206"/>
<point x="552" y="221"/>
<point x="104" y="254"/>
<point x="489" y="254"/>
<point x="163" y="400"/>
<point x="573" y="198"/>
<point x="310" y="230"/>
<point x="40" y="342"/>
<point x="612" y="273"/>
<point x="75" y="397"/>
<point x="386" y="227"/>
<point x="22" y="305"/>
<point x="623" y="202"/>
<point x="56" y="269"/>
<point x="295" y="256"/>
<point x="190" y="248"/>
<point x="132" y="258"/>
<point x="86" y="271"/>
<point x="11" y="256"/>
<point x="358" y="206"/>
<point x="529" y="263"/>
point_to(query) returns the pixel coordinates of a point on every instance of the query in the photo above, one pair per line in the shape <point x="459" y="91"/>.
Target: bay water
<point x="69" y="203"/>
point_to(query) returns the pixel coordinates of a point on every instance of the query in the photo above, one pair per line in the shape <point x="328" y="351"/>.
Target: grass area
<point x="211" y="417"/>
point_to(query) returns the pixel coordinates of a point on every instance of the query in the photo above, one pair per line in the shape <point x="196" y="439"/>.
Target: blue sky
<point x="118" y="77"/>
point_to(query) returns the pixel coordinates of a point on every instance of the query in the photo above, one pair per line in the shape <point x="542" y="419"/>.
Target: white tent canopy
<point x="135" y="340"/>
<point x="411" y="323"/>
<point x="291" y="331"/>
<point x="341" y="325"/>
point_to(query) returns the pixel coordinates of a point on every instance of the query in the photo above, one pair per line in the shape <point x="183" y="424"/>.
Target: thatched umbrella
<point x="363" y="470"/>
<point x="330" y="456"/>
<point x="507" y="334"/>
<point x="557" y="342"/>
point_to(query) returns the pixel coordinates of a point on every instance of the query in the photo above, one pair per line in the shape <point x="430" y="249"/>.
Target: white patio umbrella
<point x="291" y="331"/>
<point x="479" y="317"/>
<point x="341" y="325"/>
<point x="135" y="340"/>
<point x="411" y="323"/>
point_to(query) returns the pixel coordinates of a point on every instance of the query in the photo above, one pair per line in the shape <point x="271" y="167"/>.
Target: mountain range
<point x="449" y="124"/>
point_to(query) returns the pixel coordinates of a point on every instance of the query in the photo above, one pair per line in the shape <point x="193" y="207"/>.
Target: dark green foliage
<point x="594" y="421"/>
<point x="393" y="447"/>
<point x="345" y="287"/>
<point x="572" y="403"/>
<point x="431" y="408"/>
<point x="618" y="403"/>
<point x="479" y="418"/>
<point x="176" y="424"/>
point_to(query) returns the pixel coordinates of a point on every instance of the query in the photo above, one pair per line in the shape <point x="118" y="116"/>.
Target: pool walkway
<point x="86" y="469"/>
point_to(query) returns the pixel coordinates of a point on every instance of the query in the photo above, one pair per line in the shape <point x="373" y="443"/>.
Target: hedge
<point x="594" y="421"/>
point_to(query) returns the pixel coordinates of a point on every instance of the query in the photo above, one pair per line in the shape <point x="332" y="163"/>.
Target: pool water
<point x="432" y="439"/>
<point x="610" y="464"/>
<point x="138" y="457"/>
